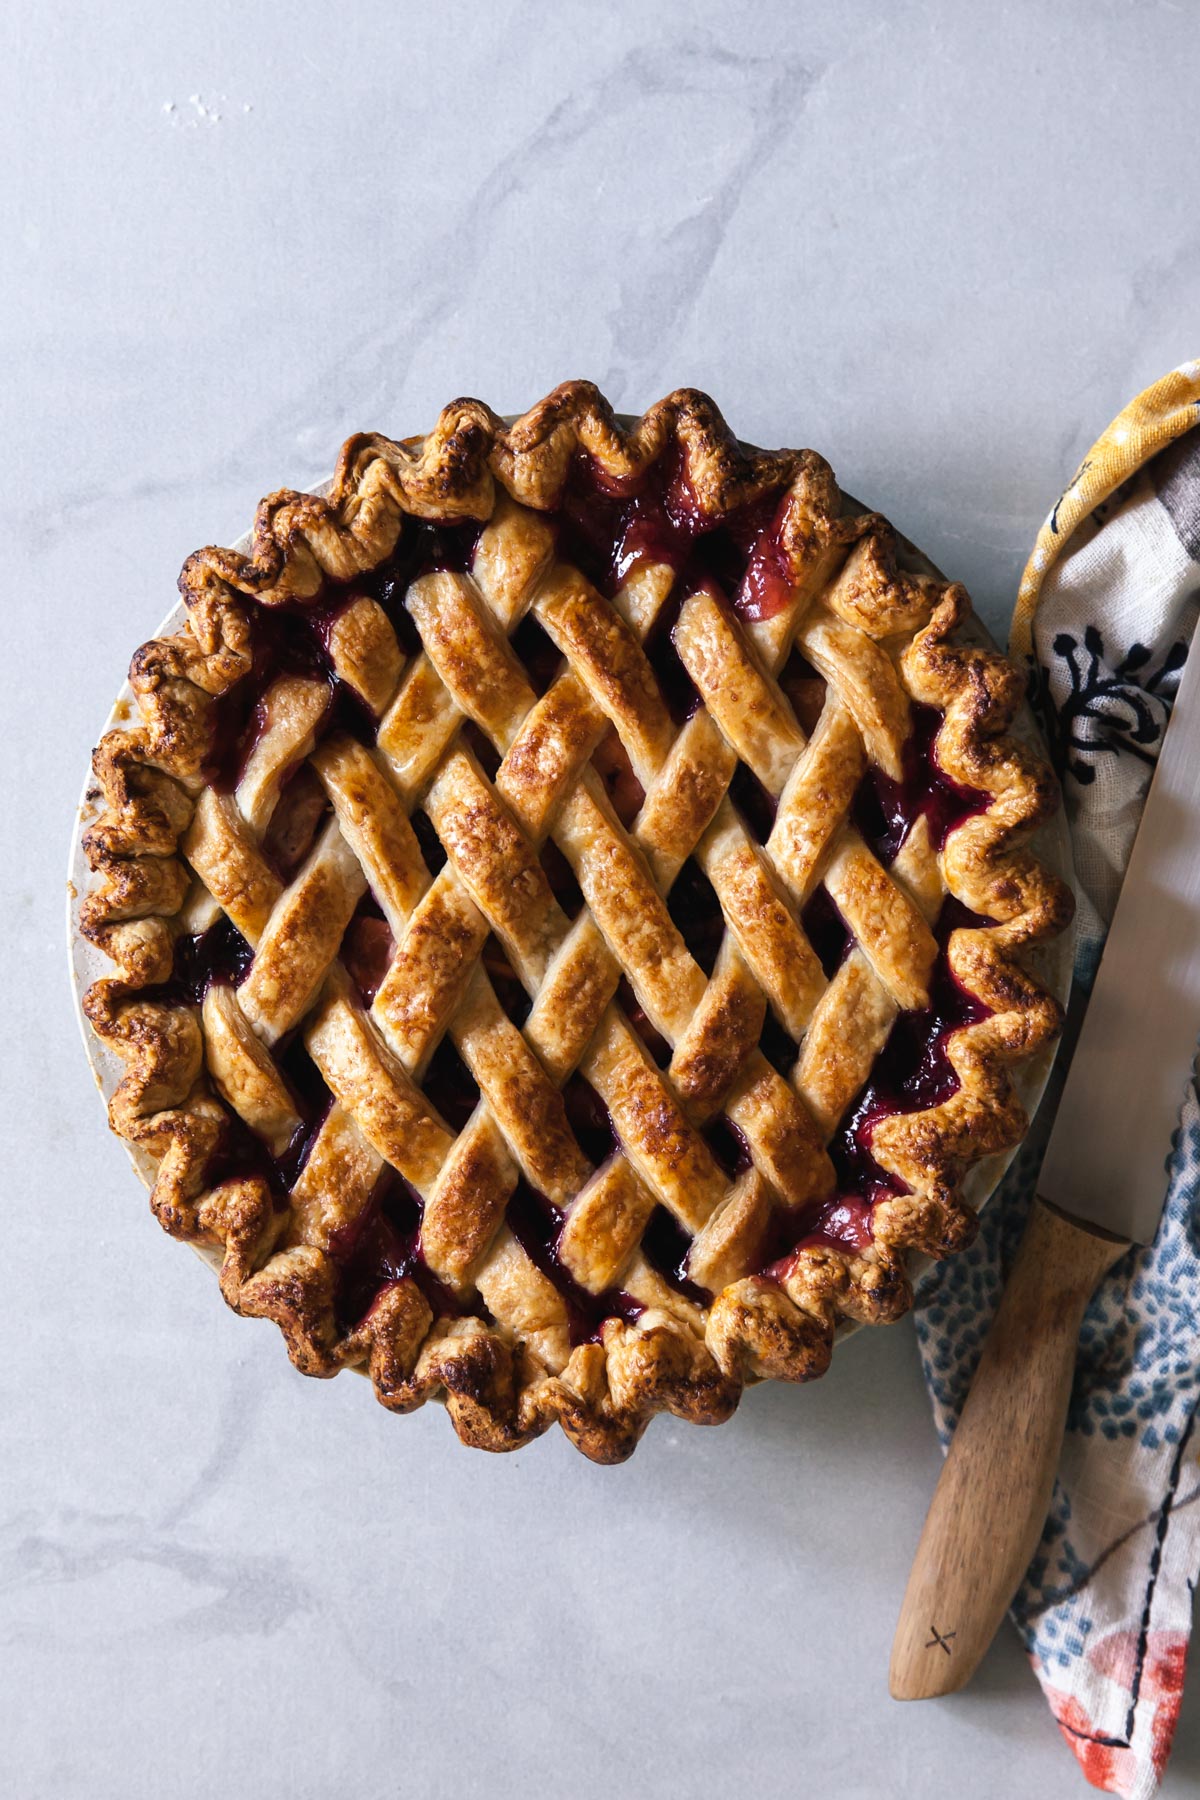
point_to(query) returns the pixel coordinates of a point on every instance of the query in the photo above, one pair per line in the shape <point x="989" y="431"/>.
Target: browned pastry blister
<point x="568" y="889"/>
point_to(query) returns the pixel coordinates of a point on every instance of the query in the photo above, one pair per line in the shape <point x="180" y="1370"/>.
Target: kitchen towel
<point x="1105" y="613"/>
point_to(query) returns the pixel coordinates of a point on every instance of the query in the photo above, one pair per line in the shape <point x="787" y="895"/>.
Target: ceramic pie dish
<point x="563" y="914"/>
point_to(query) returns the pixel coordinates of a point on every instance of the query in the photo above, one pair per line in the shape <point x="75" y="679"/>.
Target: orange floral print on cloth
<point x="1115" y="1767"/>
<point x="1104" y="620"/>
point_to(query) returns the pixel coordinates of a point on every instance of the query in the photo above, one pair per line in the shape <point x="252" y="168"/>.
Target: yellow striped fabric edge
<point x="1148" y="424"/>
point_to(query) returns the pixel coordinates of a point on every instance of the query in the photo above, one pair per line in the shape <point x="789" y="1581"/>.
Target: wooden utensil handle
<point x="993" y="1494"/>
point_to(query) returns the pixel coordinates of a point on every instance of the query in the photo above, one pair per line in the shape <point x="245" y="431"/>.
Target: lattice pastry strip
<point x="746" y="703"/>
<point x="235" y="876"/>
<point x="333" y="1190"/>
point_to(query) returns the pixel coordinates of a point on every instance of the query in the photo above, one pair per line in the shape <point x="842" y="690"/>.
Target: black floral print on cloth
<point x="1109" y="711"/>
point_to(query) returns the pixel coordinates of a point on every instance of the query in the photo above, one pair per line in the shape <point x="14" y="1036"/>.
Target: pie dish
<point x="571" y="899"/>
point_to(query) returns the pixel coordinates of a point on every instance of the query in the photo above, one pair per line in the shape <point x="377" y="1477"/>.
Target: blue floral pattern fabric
<point x="1107" y="611"/>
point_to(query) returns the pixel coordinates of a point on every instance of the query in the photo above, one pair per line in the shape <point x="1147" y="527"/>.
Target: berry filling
<point x="765" y="588"/>
<point x="450" y="1086"/>
<point x="912" y="1073"/>
<point x="728" y="1144"/>
<point x="696" y="913"/>
<point x="656" y="1044"/>
<point x="827" y="931"/>
<point x="384" y="1247"/>
<point x="220" y="954"/>
<point x="242" y="1155"/>
<point x="540" y="655"/>
<point x="506" y="983"/>
<point x="674" y="683"/>
<point x="611" y="529"/>
<point x="367" y="949"/>
<point x="589" y="1119"/>
<point x="288" y="639"/>
<point x="561" y="876"/>
<point x="537" y="1226"/>
<point x="430" y="843"/>
<point x="753" y="802"/>
<point x="885" y="810"/>
<point x="666" y="1247"/>
<point x="421" y="549"/>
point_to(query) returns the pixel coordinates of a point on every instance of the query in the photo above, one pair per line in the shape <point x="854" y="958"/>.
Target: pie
<point x="568" y="888"/>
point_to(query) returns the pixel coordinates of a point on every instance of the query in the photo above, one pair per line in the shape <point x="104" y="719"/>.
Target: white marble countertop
<point x="941" y="242"/>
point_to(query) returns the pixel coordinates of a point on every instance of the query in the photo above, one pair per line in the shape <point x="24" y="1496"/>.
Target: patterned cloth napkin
<point x="1106" y="609"/>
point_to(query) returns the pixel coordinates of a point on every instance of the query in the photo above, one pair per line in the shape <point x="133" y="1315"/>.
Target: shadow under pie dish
<point x="572" y="905"/>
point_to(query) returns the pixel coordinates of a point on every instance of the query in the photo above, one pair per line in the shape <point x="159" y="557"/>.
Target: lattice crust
<point x="461" y="738"/>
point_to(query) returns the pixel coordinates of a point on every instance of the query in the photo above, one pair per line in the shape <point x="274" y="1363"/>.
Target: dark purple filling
<point x="607" y="529"/>
<point x="537" y="1227"/>
<point x="509" y="988"/>
<point x="242" y="1155"/>
<point x="885" y="811"/>
<point x="540" y="655"/>
<point x="313" y="1102"/>
<point x="912" y="1073"/>
<point x="561" y="876"/>
<point x="696" y="912"/>
<point x="827" y="931"/>
<point x="765" y="589"/>
<point x="843" y="1223"/>
<point x="728" y="1144"/>
<point x="675" y="684"/>
<point x="778" y="1045"/>
<point x="655" y="1043"/>
<point x="288" y="640"/>
<point x="422" y="549"/>
<point x="450" y="1086"/>
<point x="485" y="751"/>
<point x="752" y="800"/>
<point x="220" y="954"/>
<point x="589" y="1119"/>
<point x="430" y="843"/>
<point x="383" y="1247"/>
<point x="954" y="916"/>
<point x="666" y="1247"/>
<point x="367" y="948"/>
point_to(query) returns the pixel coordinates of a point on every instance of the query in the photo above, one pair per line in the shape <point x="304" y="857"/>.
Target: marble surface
<point x="941" y="242"/>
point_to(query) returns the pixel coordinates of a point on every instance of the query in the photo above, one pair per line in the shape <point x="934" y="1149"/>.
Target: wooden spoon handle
<point x="991" y="1500"/>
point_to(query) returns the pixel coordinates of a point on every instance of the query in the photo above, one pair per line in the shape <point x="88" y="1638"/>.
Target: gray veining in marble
<point x="942" y="242"/>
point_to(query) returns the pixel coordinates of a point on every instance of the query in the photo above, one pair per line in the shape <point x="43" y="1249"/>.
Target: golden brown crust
<point x="880" y="639"/>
